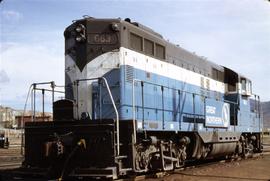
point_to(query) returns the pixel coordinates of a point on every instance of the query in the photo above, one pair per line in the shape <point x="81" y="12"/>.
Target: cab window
<point x="243" y="85"/>
<point x="246" y="87"/>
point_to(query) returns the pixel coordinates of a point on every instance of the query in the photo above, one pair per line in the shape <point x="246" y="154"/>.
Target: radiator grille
<point x="129" y="73"/>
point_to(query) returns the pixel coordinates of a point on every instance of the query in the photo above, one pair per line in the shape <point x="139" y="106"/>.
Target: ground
<point x="11" y="156"/>
<point x="253" y="169"/>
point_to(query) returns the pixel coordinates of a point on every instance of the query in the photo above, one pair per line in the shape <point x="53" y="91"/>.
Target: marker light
<point x="115" y="27"/>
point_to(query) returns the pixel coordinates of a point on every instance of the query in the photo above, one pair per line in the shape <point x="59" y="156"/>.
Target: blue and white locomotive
<point x="135" y="102"/>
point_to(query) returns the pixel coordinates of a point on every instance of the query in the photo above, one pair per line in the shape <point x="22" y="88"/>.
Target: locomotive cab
<point x="245" y="87"/>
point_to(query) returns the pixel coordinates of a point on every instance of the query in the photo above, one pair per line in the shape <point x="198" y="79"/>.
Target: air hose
<point x="80" y="143"/>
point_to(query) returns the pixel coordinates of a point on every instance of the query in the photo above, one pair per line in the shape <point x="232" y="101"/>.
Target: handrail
<point x="150" y="83"/>
<point x="22" y="118"/>
<point x="182" y="91"/>
<point x="33" y="89"/>
<point x="114" y="106"/>
<point x="133" y="110"/>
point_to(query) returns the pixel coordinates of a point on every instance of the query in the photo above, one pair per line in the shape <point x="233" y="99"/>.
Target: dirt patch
<point x="13" y="153"/>
<point x="252" y="169"/>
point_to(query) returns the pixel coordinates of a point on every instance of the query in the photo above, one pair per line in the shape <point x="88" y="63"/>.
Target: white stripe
<point x="155" y="66"/>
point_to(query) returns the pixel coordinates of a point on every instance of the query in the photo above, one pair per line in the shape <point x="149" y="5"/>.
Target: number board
<point x="102" y="38"/>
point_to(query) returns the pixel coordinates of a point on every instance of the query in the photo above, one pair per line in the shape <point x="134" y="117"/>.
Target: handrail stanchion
<point x="134" y="111"/>
<point x="162" y="105"/>
<point x="43" y="109"/>
<point x="77" y="101"/>
<point x="52" y="86"/>
<point x="34" y="114"/>
<point x="32" y="104"/>
<point x="113" y="103"/>
<point x="142" y="105"/>
<point x="194" y="112"/>
<point x="32" y="93"/>
<point x="117" y="117"/>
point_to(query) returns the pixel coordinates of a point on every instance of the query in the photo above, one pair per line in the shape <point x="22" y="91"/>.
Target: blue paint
<point x="179" y="110"/>
<point x="217" y="114"/>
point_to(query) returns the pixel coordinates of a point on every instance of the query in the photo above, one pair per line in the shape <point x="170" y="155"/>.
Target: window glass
<point x="148" y="47"/>
<point x="135" y="42"/>
<point x="249" y="87"/>
<point x="160" y="51"/>
<point x="243" y="82"/>
<point x="217" y="75"/>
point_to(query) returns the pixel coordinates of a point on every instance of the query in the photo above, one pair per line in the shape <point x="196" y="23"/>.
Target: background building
<point x="11" y="118"/>
<point x="7" y="117"/>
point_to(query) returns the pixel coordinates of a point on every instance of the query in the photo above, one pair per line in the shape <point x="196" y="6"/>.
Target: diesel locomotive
<point x="136" y="103"/>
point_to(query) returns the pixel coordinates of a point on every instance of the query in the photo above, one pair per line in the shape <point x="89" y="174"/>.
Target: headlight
<point x="81" y="34"/>
<point x="80" y="28"/>
<point x="79" y="38"/>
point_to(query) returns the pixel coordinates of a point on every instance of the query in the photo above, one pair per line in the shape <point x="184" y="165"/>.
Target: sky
<point x="235" y="34"/>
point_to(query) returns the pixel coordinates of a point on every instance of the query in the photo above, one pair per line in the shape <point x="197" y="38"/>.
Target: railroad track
<point x="190" y="165"/>
<point x="10" y="165"/>
<point x="266" y="148"/>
